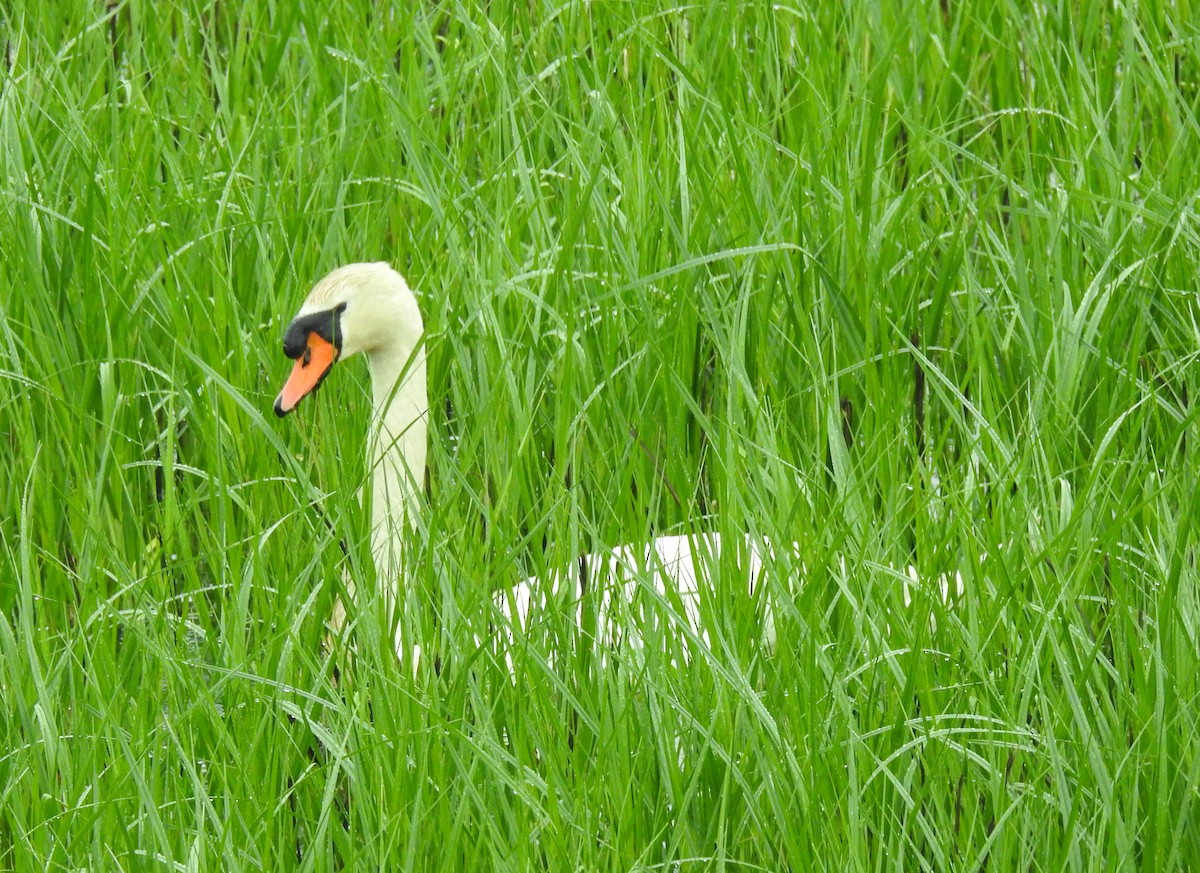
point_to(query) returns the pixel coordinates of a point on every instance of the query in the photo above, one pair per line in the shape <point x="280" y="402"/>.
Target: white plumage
<point x="632" y="593"/>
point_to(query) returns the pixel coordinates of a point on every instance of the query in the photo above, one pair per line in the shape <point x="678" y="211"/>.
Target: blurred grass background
<point x="902" y="283"/>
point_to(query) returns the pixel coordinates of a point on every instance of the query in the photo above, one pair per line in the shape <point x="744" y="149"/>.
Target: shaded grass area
<point x="904" y="286"/>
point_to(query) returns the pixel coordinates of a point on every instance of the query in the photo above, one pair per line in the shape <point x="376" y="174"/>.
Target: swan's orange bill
<point x="311" y="367"/>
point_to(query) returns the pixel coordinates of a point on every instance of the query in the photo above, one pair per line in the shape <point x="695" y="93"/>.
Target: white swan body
<point x="369" y="308"/>
<point x="665" y="584"/>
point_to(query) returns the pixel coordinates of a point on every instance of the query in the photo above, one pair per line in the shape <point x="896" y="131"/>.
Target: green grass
<point x="669" y="258"/>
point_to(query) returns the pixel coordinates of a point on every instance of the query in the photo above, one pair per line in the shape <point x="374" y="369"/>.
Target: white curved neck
<point x="396" y="444"/>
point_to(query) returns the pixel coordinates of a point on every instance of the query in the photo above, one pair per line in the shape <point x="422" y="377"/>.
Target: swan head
<point x="357" y="308"/>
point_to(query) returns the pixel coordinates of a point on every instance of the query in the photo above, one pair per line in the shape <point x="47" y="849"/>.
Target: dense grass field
<point x="902" y="283"/>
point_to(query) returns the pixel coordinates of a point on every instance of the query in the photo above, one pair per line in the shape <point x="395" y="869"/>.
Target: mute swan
<point x="369" y="308"/>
